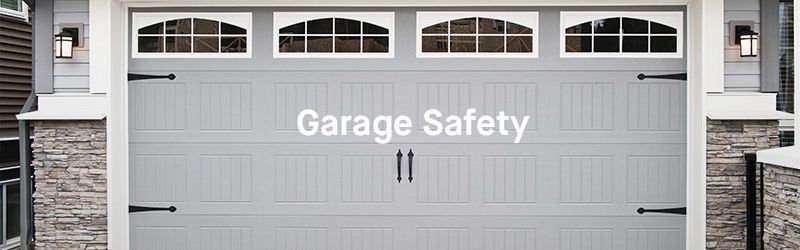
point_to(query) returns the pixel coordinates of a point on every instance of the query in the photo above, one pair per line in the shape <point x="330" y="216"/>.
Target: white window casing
<point x="20" y="12"/>
<point x="144" y="19"/>
<point x="382" y="19"/>
<point x="528" y="19"/>
<point x="673" y="19"/>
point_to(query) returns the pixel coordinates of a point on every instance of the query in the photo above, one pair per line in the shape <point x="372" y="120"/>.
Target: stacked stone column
<point x="69" y="159"/>
<point x="727" y="142"/>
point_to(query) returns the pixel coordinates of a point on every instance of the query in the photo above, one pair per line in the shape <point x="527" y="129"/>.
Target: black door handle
<point x="399" y="162"/>
<point x="136" y="77"/>
<point x="136" y="209"/>
<point x="681" y="76"/>
<point x="410" y="164"/>
<point x="674" y="210"/>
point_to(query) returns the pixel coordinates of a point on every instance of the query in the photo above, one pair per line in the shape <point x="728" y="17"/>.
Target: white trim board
<point x="744" y="106"/>
<point x="118" y="221"/>
<point x="68" y="106"/>
<point x="397" y="3"/>
<point x="786" y="157"/>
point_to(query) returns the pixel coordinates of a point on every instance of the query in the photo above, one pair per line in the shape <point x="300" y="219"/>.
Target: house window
<point x="622" y="34"/>
<point x="14" y="8"/>
<point x="180" y="35"/>
<point x="9" y="203"/>
<point x="477" y="34"/>
<point x="334" y="35"/>
<point x="786" y="56"/>
<point x="786" y="138"/>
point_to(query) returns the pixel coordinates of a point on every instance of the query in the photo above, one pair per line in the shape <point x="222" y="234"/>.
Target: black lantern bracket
<point x="75" y="30"/>
<point x="735" y="30"/>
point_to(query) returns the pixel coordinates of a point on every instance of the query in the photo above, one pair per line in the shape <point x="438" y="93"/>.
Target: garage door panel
<point x="159" y="177"/>
<point x="159" y="107"/>
<point x="557" y="179"/>
<point x="226" y="106"/>
<point x="609" y="108"/>
<point x="392" y="232"/>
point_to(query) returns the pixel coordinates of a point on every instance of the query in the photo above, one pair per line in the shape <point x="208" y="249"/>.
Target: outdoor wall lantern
<point x="70" y="37"/>
<point x="745" y="37"/>
<point x="64" y="42"/>
<point x="748" y="43"/>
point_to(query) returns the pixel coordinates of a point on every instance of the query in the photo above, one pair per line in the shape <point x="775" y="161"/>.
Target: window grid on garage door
<point x="622" y="34"/>
<point x="477" y="34"/>
<point x="334" y="35"/>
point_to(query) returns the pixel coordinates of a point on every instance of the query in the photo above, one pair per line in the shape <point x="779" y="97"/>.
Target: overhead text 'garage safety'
<point x="385" y="126"/>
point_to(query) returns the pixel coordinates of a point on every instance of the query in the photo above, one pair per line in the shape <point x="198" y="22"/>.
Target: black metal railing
<point x="754" y="183"/>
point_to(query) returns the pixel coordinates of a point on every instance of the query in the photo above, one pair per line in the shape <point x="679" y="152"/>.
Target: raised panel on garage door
<point x="220" y="143"/>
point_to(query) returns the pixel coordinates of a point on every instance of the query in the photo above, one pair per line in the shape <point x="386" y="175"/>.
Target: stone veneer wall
<point x="727" y="142"/>
<point x="70" y="190"/>
<point x="782" y="207"/>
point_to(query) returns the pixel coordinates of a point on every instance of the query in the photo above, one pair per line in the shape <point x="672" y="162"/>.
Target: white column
<point x="107" y="75"/>
<point x="712" y="23"/>
<point x="706" y="73"/>
<point x="796" y="75"/>
<point x="105" y="20"/>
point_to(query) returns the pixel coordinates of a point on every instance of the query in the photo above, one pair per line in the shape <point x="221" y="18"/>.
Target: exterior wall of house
<point x="70" y="198"/>
<point x="741" y="73"/>
<point x="727" y="142"/>
<point x="782" y="207"/>
<point x="72" y="75"/>
<point x="15" y="80"/>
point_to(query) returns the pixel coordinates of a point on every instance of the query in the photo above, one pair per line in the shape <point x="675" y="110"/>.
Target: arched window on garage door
<point x="185" y="35"/>
<point x="477" y="34"/>
<point x="334" y="35"/>
<point x="622" y="34"/>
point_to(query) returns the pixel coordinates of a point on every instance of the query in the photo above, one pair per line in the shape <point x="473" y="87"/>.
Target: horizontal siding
<point x="15" y="72"/>
<point x="742" y="83"/>
<point x="743" y="68"/>
<point x="71" y="69"/>
<point x="741" y="74"/>
<point x="71" y="6"/>
<point x="72" y="75"/>
<point x="746" y="5"/>
<point x="85" y="29"/>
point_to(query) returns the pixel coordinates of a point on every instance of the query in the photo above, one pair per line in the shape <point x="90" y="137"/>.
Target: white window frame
<point x="21" y="14"/>
<point x="14" y="242"/>
<point x="673" y="19"/>
<point x="143" y="19"/>
<point x="529" y="19"/>
<point x="283" y="19"/>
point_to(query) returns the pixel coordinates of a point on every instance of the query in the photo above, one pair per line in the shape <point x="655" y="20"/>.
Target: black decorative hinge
<point x="675" y="210"/>
<point x="136" y="77"/>
<point x="136" y="209"/>
<point x="681" y="76"/>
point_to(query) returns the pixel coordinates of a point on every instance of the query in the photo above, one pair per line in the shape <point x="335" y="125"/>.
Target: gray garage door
<point x="220" y="142"/>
